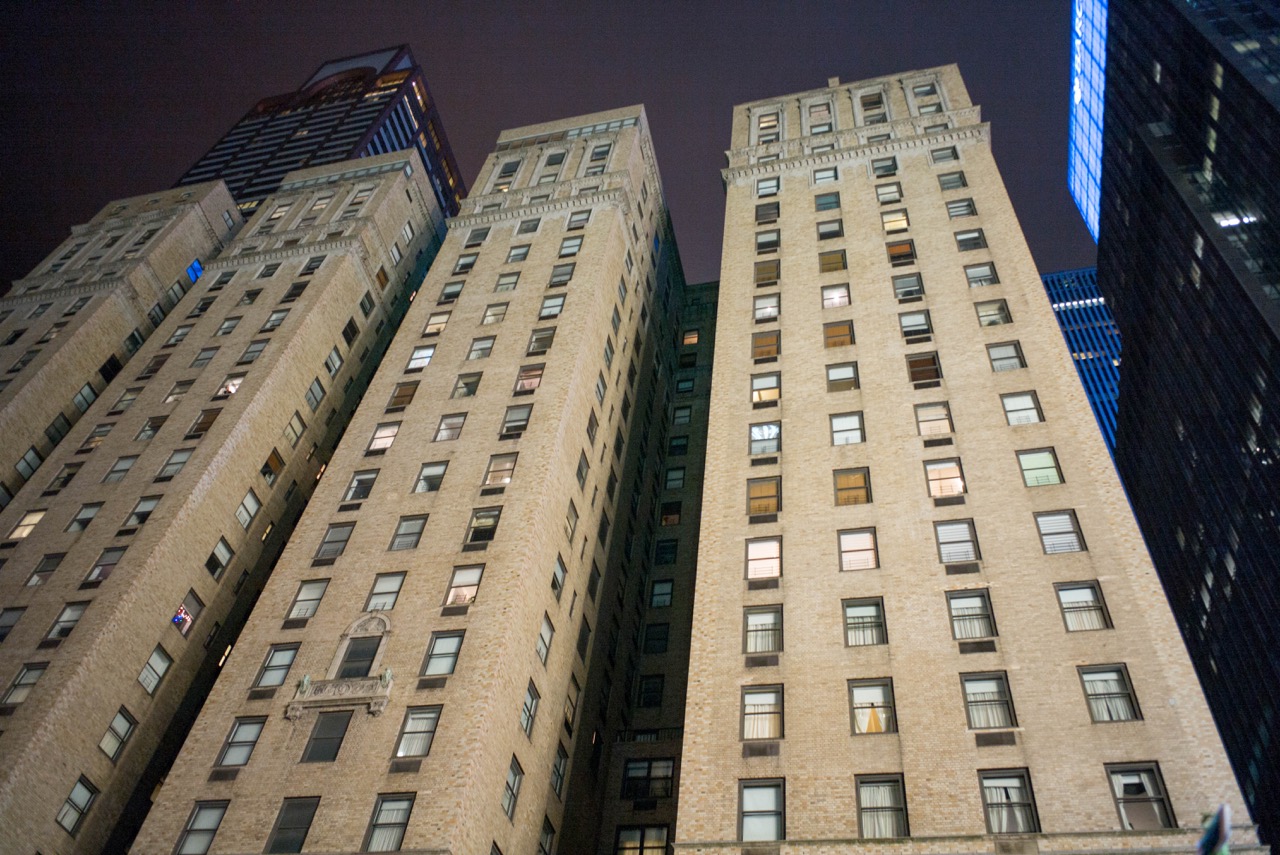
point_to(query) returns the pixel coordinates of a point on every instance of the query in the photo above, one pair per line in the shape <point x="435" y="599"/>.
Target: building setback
<point x="68" y="328"/>
<point x="1093" y="339"/>
<point x="1189" y="261"/>
<point x="357" y="106"/>
<point x="425" y="669"/>
<point x="922" y="606"/>
<point x="132" y="559"/>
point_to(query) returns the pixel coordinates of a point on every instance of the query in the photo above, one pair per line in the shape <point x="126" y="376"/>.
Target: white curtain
<point x="1109" y="697"/>
<point x="389" y="825"/>
<point x="988" y="704"/>
<point x="762" y="715"/>
<point x="1008" y="808"/>
<point x="882" y="814"/>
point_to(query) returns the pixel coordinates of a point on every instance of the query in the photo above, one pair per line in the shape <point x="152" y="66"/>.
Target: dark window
<point x="326" y="737"/>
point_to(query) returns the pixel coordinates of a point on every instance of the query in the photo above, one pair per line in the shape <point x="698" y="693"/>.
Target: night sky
<point x="101" y="101"/>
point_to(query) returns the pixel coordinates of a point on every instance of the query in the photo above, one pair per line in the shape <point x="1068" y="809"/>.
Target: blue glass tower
<point x="1088" y="81"/>
<point x="1094" y="339"/>
<point x="1189" y="262"/>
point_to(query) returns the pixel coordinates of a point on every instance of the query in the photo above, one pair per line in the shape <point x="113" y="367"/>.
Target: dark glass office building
<point x="362" y="105"/>
<point x="1189" y="260"/>
<point x="1093" y="338"/>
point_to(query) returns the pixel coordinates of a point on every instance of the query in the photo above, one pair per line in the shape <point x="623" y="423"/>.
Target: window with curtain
<point x="872" y="705"/>
<point x="1007" y="798"/>
<point x="390" y="818"/>
<point x="762" y="713"/>
<point x="1109" y="694"/>
<point x="882" y="810"/>
<point x="987" y="701"/>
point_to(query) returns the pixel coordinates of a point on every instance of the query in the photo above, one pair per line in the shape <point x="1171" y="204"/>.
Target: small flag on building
<point x="1217" y="834"/>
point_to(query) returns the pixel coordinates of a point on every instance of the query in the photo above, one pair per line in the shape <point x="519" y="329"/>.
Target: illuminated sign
<point x="1088" y="83"/>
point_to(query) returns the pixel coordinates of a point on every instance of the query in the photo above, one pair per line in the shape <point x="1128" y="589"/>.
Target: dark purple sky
<point x="101" y="101"/>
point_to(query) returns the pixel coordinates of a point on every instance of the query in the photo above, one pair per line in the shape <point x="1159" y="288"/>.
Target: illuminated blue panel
<point x="1094" y="341"/>
<point x="195" y="270"/>
<point x="1088" y="82"/>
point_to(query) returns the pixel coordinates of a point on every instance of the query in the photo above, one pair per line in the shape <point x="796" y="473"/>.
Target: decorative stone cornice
<point x="320" y="695"/>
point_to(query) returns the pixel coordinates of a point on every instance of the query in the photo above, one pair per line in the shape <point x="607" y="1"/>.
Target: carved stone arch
<point x="375" y="625"/>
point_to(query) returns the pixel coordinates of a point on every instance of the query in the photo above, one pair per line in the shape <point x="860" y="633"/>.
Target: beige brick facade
<point x="66" y="329"/>
<point x="571" y="211"/>
<point x="187" y="475"/>
<point x="926" y="747"/>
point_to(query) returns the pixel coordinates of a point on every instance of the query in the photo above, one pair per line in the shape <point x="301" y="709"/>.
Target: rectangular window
<point x="420" y="358"/>
<point x="766" y="187"/>
<point x="842" y="376"/>
<point x="293" y="823"/>
<point x="307" y="600"/>
<point x="944" y="155"/>
<point x="987" y="701"/>
<point x="764" y="495"/>
<point x="901" y="253"/>
<point x="944" y="477"/>
<point x="766" y="307"/>
<point x="933" y="419"/>
<point x="961" y="208"/>
<point x="219" y="558"/>
<point x="1110" y="693"/>
<point x="529" y="709"/>
<point x="768" y="272"/>
<point x="764" y="558"/>
<point x="871" y="706"/>
<point x="765" y="438"/>
<point x="1083" y="607"/>
<point x="766" y="387"/>
<point x="971" y="239"/>
<point x="858" y="550"/>
<point x="762" y="712"/>
<point x="118" y="733"/>
<point x="830" y="229"/>
<point x="326" y="738"/>
<point x="248" y="509"/>
<point x="762" y="629"/>
<point x="436" y="322"/>
<point x="766" y="212"/>
<point x="766" y="344"/>
<point x="853" y="486"/>
<point x="151" y="427"/>
<point x="66" y="621"/>
<point x="465" y="262"/>
<point x="30" y="519"/>
<point x="197" y="836"/>
<point x="384" y="435"/>
<point x="768" y="241"/>
<point x="894" y="221"/>
<point x="407" y="535"/>
<point x="463" y="585"/>
<point x="761" y="811"/>
<point x="837" y="334"/>
<point x="335" y="541"/>
<point x="907" y="287"/>
<point x="835" y="296"/>
<point x="831" y="261"/>
<point x="884" y="167"/>
<point x="952" y="181"/>
<point x="240" y="742"/>
<point x="882" y="807"/>
<point x="275" y="667"/>
<point x="106" y="562"/>
<point x="528" y="378"/>
<point x="154" y="669"/>
<point x="846" y="429"/>
<point x="1039" y="467"/>
<point x="957" y="541"/>
<point x="971" y="615"/>
<point x="357" y="659"/>
<point x="515" y="421"/>
<point x="1141" y="799"/>
<point x="483" y="526"/>
<point x="1008" y="801"/>
<point x="993" y="313"/>
<point x="980" y="275"/>
<point x="887" y="194"/>
<point x="915" y="324"/>
<point x="511" y="790"/>
<point x="826" y="202"/>
<point x="1021" y="408"/>
<point x="450" y="427"/>
<point x="551" y="307"/>
<point x="864" y="623"/>
<point x="417" y="731"/>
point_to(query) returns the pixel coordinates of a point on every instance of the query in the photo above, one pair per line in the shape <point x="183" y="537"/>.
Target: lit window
<point x="417" y="731"/>
<point x="858" y="550"/>
<point x="831" y="261"/>
<point x="835" y="296"/>
<point x="894" y="221"/>
<point x="1021" y="408"/>
<point x="846" y="429"/>
<point x="766" y="388"/>
<point x="764" y="495"/>
<point x="980" y="275"/>
<point x="901" y="253"/>
<point x="944" y="477"/>
<point x="933" y="419"/>
<point x="766" y="307"/>
<point x="762" y="712"/>
<point x="383" y="436"/>
<point x="853" y="486"/>
<point x="463" y="585"/>
<point x="764" y="558"/>
<point x="29" y="520"/>
<point x="766" y="344"/>
<point x="436" y="322"/>
<point x="768" y="272"/>
<point x="1039" y="467"/>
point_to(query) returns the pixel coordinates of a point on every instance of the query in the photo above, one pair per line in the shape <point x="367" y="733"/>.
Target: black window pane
<point x="359" y="658"/>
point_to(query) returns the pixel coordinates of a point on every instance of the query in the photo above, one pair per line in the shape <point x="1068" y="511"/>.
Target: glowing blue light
<point x="1088" y="82"/>
<point x="194" y="270"/>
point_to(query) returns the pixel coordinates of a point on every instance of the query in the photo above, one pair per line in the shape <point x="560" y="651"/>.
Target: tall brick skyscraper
<point x="131" y="559"/>
<point x="427" y="668"/>
<point x="923" y="607"/>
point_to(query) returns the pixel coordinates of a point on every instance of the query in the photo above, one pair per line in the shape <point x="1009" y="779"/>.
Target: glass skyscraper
<point x="362" y="105"/>
<point x="1092" y="337"/>
<point x="1189" y="260"/>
